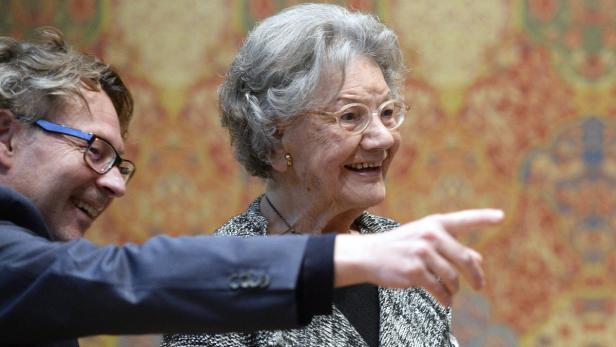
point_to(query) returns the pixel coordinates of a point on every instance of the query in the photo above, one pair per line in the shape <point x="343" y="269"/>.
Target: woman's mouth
<point x="364" y="166"/>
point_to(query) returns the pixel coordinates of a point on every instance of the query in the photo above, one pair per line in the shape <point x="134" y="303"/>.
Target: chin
<point x="366" y="200"/>
<point x="66" y="233"/>
<point x="377" y="200"/>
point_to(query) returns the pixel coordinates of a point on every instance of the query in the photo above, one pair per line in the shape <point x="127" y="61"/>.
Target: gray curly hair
<point x="37" y="78"/>
<point x="275" y="76"/>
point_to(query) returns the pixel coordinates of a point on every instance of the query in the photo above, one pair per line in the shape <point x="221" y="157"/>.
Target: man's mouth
<point x="88" y="209"/>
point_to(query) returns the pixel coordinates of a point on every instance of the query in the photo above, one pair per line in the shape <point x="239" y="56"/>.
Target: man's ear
<point x="9" y="126"/>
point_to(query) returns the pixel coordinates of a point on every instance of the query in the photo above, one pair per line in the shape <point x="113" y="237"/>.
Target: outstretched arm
<point x="424" y="253"/>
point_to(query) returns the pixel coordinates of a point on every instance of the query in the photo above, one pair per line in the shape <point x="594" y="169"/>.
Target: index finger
<point x="469" y="219"/>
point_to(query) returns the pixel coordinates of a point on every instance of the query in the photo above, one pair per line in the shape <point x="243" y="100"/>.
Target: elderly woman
<point x="313" y="105"/>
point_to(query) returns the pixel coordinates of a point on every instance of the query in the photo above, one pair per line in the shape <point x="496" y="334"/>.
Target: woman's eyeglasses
<point x="356" y="117"/>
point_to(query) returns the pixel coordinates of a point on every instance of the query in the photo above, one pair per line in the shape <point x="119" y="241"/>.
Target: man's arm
<point x="52" y="290"/>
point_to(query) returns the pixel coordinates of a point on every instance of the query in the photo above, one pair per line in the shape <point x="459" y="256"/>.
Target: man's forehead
<point x="93" y="112"/>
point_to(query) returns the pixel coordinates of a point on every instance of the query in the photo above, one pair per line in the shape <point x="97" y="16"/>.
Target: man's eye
<point x="95" y="154"/>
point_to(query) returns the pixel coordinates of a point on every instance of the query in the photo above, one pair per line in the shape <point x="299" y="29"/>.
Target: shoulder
<point x="219" y="340"/>
<point x="413" y="315"/>
<point x="18" y="210"/>
<point x="370" y="223"/>
<point x="249" y="223"/>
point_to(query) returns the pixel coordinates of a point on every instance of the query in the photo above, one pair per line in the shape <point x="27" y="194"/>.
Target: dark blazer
<point x="58" y="291"/>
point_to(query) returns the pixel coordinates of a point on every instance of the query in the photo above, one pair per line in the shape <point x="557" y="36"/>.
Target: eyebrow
<point x="120" y="152"/>
<point x="104" y="138"/>
<point x="382" y="99"/>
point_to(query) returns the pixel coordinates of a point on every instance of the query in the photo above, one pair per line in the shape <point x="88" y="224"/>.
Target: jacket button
<point x="249" y="279"/>
<point x="245" y="280"/>
<point x="234" y="282"/>
<point x="265" y="281"/>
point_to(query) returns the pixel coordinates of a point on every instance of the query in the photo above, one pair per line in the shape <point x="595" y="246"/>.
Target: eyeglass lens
<point x="101" y="157"/>
<point x="355" y="117"/>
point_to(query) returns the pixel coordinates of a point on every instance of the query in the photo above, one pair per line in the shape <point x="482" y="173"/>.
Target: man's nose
<point x="113" y="182"/>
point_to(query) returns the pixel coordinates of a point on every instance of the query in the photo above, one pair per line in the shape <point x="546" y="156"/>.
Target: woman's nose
<point x="377" y="135"/>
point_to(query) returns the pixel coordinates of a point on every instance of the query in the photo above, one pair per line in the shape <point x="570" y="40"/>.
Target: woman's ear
<point x="8" y="128"/>
<point x="279" y="158"/>
<point x="279" y="155"/>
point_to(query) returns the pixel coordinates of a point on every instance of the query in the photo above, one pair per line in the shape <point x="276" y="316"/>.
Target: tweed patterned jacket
<point x="408" y="317"/>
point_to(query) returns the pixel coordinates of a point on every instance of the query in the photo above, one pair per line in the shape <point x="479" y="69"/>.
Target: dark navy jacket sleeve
<point x="315" y="289"/>
<point x="59" y="290"/>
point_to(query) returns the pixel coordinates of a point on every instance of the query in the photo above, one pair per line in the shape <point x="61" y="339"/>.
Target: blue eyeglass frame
<point x="89" y="138"/>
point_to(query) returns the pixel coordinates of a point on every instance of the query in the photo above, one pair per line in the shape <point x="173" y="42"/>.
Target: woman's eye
<point x="351" y="116"/>
<point x="389" y="113"/>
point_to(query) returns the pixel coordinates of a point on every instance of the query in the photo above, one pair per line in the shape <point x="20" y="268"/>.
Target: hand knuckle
<point x="452" y="277"/>
<point x="412" y="269"/>
<point x="422" y="250"/>
<point x="430" y="234"/>
<point x="469" y="259"/>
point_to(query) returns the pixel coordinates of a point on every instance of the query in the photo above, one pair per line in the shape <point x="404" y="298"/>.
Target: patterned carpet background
<point x="514" y="106"/>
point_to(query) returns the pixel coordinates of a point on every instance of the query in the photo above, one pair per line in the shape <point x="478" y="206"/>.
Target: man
<point x="63" y="118"/>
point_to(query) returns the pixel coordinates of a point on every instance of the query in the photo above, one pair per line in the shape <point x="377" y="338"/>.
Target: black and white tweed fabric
<point x="408" y="317"/>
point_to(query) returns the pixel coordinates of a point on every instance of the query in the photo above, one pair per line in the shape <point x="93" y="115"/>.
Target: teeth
<point x="90" y="211"/>
<point x="359" y="166"/>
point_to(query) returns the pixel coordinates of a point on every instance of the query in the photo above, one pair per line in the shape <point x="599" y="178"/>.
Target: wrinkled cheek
<point x="391" y="156"/>
<point x="385" y="170"/>
<point x="320" y="179"/>
<point x="347" y="182"/>
<point x="316" y="183"/>
<point x="393" y="151"/>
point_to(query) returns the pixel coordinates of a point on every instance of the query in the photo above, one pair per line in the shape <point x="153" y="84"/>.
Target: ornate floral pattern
<point x="513" y="106"/>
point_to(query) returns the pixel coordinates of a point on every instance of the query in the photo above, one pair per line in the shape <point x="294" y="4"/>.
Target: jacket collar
<point x="19" y="210"/>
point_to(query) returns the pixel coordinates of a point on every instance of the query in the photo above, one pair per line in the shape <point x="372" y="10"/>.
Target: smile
<point x="366" y="166"/>
<point x="88" y="209"/>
